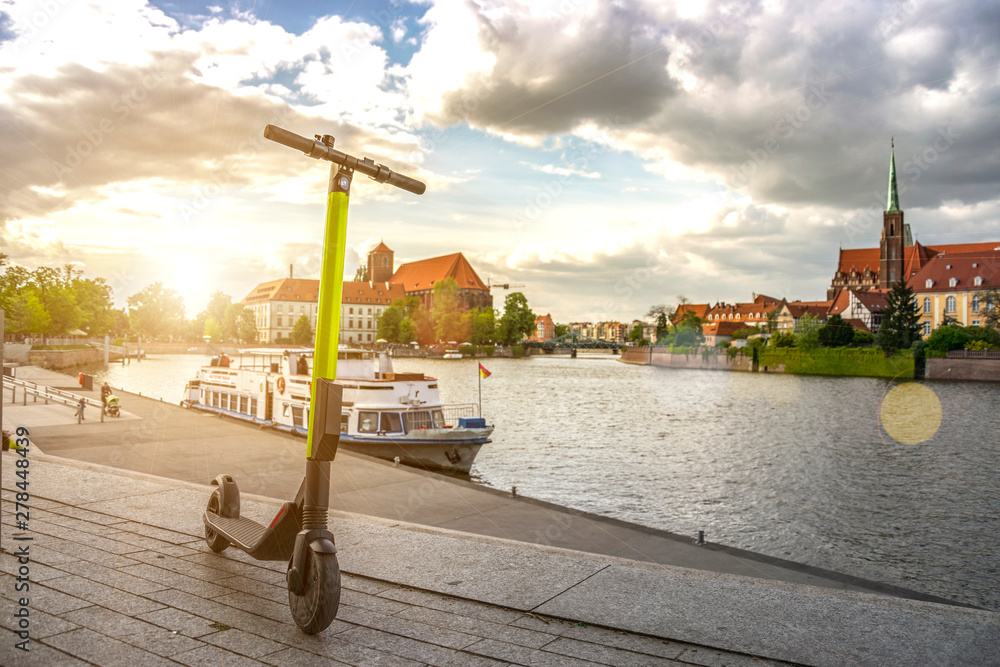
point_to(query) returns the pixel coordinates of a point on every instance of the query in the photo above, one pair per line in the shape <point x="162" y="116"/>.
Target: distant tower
<point x="895" y="235"/>
<point x="380" y="264"/>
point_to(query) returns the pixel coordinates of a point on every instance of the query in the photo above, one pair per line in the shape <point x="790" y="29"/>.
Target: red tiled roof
<point x="381" y="247"/>
<point x="858" y="259"/>
<point x="756" y="311"/>
<point x="422" y="274"/>
<point x="987" y="261"/>
<point x="284" y="289"/>
<point x="857" y="324"/>
<point x="840" y="304"/>
<point x="700" y="310"/>
<point x="915" y="256"/>
<point x="307" y="290"/>
<point x="873" y="300"/>
<point x="798" y="309"/>
<point x="383" y="293"/>
<point x="722" y="328"/>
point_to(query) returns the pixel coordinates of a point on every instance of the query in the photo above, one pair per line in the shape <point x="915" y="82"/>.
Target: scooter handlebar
<point x="319" y="150"/>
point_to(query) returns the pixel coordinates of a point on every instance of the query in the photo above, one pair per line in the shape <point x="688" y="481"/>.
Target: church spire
<point x="892" y="201"/>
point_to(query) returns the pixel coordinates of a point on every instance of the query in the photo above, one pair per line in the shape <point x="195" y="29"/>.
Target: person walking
<point x="105" y="392"/>
<point x="79" y="410"/>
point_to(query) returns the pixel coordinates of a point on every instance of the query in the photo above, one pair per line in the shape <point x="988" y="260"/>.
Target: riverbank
<point x="841" y="362"/>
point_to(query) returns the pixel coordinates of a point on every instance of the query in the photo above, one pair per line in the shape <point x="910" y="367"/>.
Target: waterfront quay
<point x="437" y="571"/>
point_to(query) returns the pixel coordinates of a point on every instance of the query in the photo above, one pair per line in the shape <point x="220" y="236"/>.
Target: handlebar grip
<point x="290" y="139"/>
<point x="407" y="183"/>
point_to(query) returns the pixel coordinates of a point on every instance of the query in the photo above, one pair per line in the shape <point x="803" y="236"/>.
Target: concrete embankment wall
<point x="55" y="359"/>
<point x="16" y="352"/>
<point x="987" y="370"/>
<point x="661" y="356"/>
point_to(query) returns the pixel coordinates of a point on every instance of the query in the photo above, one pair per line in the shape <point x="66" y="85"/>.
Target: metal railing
<point x="452" y="413"/>
<point x="974" y="354"/>
<point x="47" y="394"/>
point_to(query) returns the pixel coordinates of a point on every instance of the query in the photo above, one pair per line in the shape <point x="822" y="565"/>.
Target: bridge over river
<point x="571" y="342"/>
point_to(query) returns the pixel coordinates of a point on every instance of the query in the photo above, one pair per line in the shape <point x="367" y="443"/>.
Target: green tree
<point x="12" y="282"/>
<point x="990" y="309"/>
<point x="783" y="339"/>
<point x="408" y="331"/>
<point x="155" y="311"/>
<point x="636" y="335"/>
<point x="246" y="324"/>
<point x="56" y="295"/>
<point x="361" y="274"/>
<point x="446" y="311"/>
<point x="239" y="323"/>
<point x="836" y="332"/>
<point x="390" y="321"/>
<point x="481" y="325"/>
<point x="517" y="320"/>
<point x="213" y="330"/>
<point x="900" y="319"/>
<point x="561" y="330"/>
<point x="661" y="314"/>
<point x="302" y="333"/>
<point x="25" y="315"/>
<point x="807" y="332"/>
<point x="96" y="303"/>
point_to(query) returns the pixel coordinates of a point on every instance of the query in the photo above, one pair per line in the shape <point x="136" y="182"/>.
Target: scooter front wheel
<point x="215" y="541"/>
<point x="316" y="608"/>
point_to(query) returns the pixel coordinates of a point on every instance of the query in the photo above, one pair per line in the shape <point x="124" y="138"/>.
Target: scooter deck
<point x="247" y="534"/>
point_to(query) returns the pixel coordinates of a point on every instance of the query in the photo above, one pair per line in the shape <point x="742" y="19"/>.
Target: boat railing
<point x="453" y="412"/>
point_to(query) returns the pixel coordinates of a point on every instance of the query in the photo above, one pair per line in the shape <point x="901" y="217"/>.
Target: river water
<point x="791" y="466"/>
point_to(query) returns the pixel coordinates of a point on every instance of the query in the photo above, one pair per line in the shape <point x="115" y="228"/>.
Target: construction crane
<point x="491" y="285"/>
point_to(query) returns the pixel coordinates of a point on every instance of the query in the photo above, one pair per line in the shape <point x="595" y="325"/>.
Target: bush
<point x="784" y="339"/>
<point x="863" y="338"/>
<point x="517" y="351"/>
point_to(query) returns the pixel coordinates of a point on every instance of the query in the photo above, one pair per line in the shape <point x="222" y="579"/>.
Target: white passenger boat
<point x="451" y="354"/>
<point x="385" y="414"/>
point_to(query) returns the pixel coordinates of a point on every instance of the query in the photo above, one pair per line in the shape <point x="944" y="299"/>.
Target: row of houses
<point x="948" y="287"/>
<point x="949" y="283"/>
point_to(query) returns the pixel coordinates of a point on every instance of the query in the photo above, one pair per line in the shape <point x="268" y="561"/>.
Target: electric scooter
<point x="299" y="533"/>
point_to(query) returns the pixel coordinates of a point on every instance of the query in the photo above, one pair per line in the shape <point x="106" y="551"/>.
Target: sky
<point x="604" y="156"/>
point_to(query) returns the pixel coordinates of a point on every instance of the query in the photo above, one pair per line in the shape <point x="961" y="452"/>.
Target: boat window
<point x="253" y="406"/>
<point x="438" y="416"/>
<point x="391" y="423"/>
<point x="367" y="422"/>
<point x="417" y="420"/>
<point x="344" y="420"/>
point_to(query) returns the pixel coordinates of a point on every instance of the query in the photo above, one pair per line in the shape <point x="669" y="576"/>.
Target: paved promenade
<point x="119" y="575"/>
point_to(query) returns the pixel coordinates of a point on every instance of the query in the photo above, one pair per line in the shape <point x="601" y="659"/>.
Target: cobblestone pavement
<point x="108" y="591"/>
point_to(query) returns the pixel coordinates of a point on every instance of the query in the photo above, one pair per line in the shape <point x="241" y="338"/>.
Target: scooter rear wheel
<point x="316" y="608"/>
<point x="215" y="541"/>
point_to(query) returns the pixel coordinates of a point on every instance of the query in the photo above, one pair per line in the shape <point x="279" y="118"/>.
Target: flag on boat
<point x="483" y="372"/>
